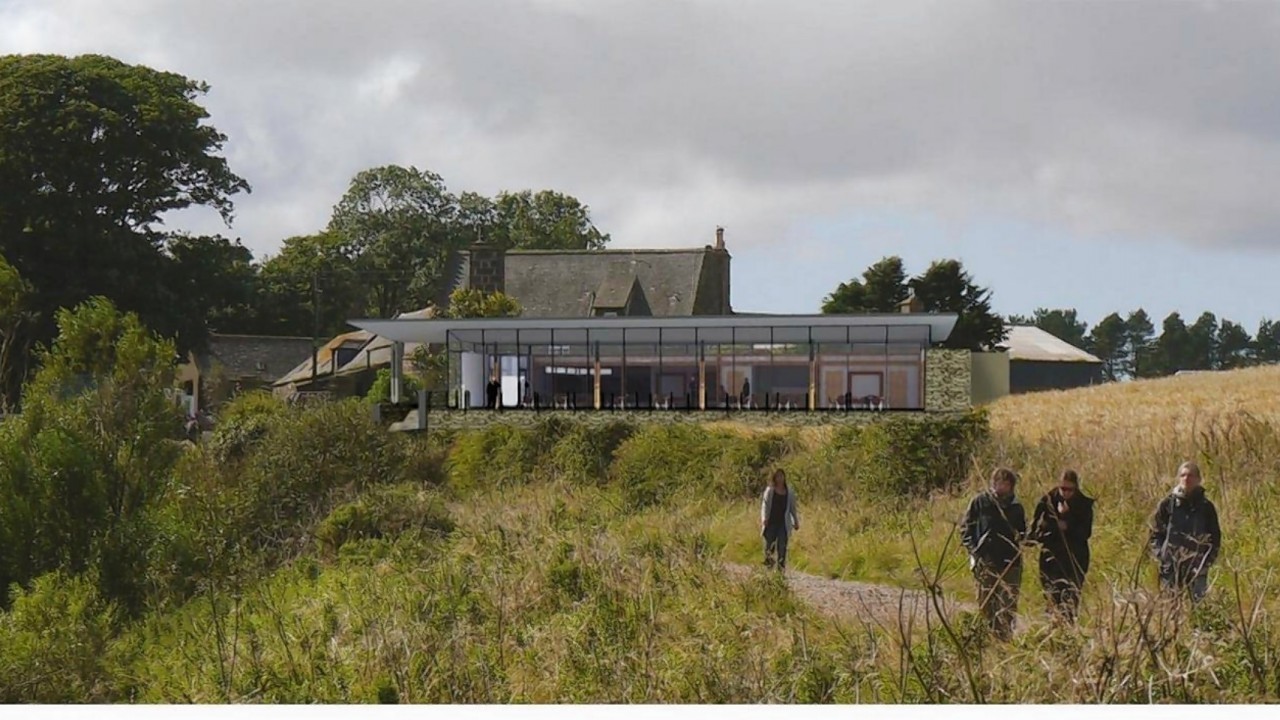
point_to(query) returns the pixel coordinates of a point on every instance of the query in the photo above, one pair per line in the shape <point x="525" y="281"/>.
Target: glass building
<point x="697" y="363"/>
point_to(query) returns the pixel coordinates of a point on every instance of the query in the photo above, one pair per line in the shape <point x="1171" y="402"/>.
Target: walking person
<point x="778" y="519"/>
<point x="1185" y="536"/>
<point x="995" y="525"/>
<point x="1062" y="526"/>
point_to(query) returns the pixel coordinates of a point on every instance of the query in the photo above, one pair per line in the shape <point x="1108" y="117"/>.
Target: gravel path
<point x="858" y="601"/>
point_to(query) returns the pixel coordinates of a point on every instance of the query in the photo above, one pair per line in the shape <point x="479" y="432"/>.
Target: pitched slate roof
<point x="266" y="357"/>
<point x="560" y="283"/>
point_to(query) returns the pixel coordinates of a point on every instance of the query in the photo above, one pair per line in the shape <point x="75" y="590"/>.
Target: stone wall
<point x="474" y="419"/>
<point x="947" y="380"/>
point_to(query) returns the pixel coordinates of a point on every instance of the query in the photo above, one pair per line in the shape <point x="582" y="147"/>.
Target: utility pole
<point x="315" y="325"/>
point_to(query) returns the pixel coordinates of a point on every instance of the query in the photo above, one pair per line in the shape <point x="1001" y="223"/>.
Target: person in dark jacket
<point x="995" y="526"/>
<point x="1185" y="536"/>
<point x="1062" y="526"/>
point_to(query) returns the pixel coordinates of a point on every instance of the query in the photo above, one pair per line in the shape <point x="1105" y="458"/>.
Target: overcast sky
<point x="1096" y="155"/>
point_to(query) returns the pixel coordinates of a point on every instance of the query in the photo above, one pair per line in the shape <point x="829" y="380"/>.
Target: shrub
<point x="380" y="390"/>
<point x="905" y="457"/>
<point x="584" y="453"/>
<point x="244" y="423"/>
<point x="384" y="513"/>
<point x="53" y="643"/>
<point x="689" y="460"/>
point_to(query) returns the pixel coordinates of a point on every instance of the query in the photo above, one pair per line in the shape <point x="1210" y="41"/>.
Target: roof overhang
<point x="904" y="328"/>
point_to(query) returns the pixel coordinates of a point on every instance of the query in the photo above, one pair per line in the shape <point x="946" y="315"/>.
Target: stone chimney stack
<point x="719" y="238"/>
<point x="487" y="269"/>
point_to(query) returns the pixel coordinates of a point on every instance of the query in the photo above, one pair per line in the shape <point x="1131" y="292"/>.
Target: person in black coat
<point x="1062" y="526"/>
<point x="994" y="529"/>
<point x="1186" y="537"/>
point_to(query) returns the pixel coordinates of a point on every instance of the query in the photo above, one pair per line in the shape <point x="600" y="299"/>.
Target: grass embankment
<point x="313" y="558"/>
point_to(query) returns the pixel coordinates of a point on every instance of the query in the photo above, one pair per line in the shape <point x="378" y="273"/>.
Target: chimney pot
<point x="719" y="238"/>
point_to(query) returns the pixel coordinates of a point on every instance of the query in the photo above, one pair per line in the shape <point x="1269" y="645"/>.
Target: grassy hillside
<point x="311" y="557"/>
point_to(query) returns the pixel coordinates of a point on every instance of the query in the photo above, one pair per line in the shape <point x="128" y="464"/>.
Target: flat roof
<point x="720" y="329"/>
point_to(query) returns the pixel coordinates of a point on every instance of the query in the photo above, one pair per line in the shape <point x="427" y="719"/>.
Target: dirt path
<point x="858" y="601"/>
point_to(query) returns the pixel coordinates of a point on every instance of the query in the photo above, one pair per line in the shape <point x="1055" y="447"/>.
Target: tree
<point x="213" y="285"/>
<point x="1204" y="343"/>
<point x="1138" y="345"/>
<point x="1062" y="324"/>
<point x="1266" y="343"/>
<point x="81" y="468"/>
<point x="397" y="225"/>
<point x="883" y="288"/>
<point x="311" y="285"/>
<point x="946" y="287"/>
<point x="93" y="153"/>
<point x="1172" y="350"/>
<point x="13" y="314"/>
<point x="547" y="220"/>
<point x="1234" y="345"/>
<point x="1108" y="341"/>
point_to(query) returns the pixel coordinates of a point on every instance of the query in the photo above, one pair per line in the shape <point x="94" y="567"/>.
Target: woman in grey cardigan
<point x="778" y="518"/>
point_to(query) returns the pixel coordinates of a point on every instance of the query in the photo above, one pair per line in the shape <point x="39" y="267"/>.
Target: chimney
<point x="719" y="238"/>
<point x="487" y="269"/>
<point x="912" y="304"/>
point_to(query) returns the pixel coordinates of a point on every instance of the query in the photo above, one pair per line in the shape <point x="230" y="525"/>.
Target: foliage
<point x="55" y="640"/>
<point x="883" y="288"/>
<point x="474" y="303"/>
<point x="243" y="423"/>
<point x="904" y="457"/>
<point x="944" y="287"/>
<point x="546" y="220"/>
<point x="93" y="153"/>
<point x="395" y="223"/>
<point x="380" y="390"/>
<point x="88" y="458"/>
<point x="13" y="314"/>
<point x="384" y="512"/>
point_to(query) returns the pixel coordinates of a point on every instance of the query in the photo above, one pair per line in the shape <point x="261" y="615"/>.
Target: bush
<point x="53" y="643"/>
<point x="244" y="423"/>
<point x="584" y="453"/>
<point x="660" y="461"/>
<point x="380" y="390"/>
<point x="901" y="457"/>
<point x="384" y="513"/>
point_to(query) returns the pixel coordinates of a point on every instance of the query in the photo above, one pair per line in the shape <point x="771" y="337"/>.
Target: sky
<point x="1103" y="156"/>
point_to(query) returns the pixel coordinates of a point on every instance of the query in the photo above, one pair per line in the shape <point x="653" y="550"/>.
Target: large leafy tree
<point x="93" y="153"/>
<point x="546" y="220"/>
<point x="1172" y="350"/>
<point x="311" y="285"/>
<point x="1204" y="343"/>
<point x="214" y="283"/>
<point x="397" y="225"/>
<point x="947" y="287"/>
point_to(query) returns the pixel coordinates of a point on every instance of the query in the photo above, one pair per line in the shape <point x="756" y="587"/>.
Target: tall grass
<point x="313" y="558"/>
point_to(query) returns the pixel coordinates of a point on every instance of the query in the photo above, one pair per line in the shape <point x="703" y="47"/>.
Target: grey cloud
<point x="1144" y="120"/>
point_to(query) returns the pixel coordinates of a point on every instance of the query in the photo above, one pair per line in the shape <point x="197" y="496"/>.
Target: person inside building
<point x="994" y="528"/>
<point x="1062" y="526"/>
<point x="1185" y="535"/>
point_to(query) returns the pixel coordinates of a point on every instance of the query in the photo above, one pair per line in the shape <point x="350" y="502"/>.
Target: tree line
<point x="94" y="153"/>
<point x="1128" y="346"/>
